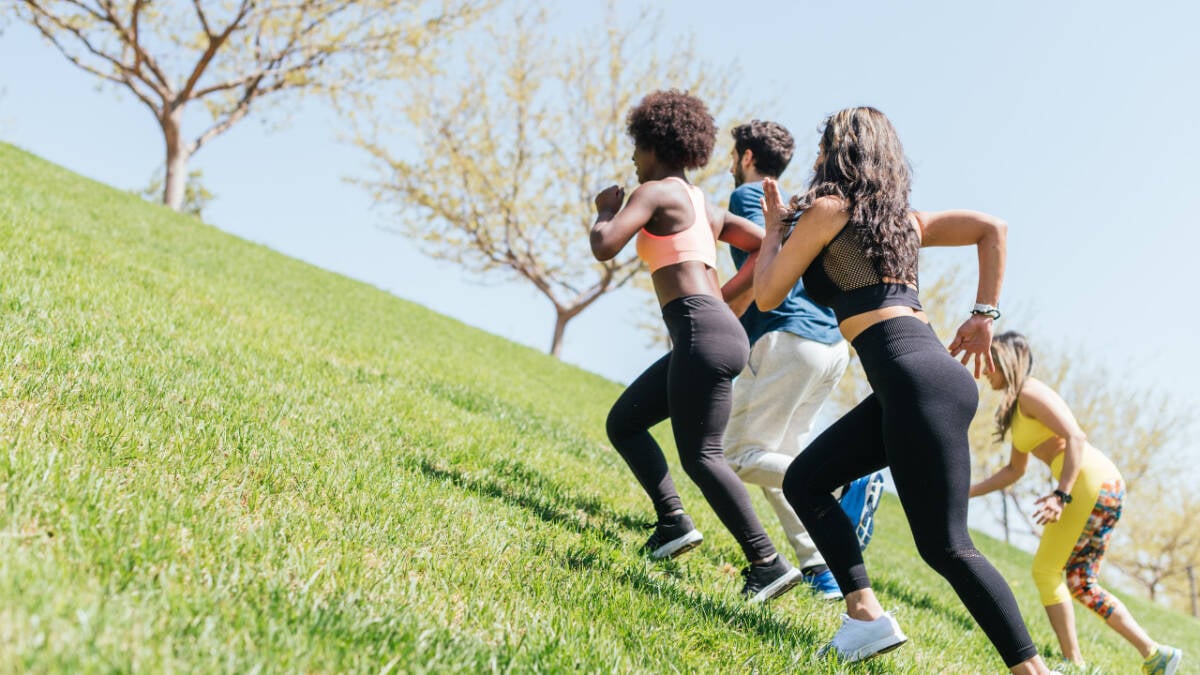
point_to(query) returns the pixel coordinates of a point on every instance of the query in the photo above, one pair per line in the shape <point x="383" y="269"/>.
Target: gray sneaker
<point x="769" y="580"/>
<point x="673" y="536"/>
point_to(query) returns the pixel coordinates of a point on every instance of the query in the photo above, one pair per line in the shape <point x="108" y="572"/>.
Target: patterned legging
<point x="1083" y="564"/>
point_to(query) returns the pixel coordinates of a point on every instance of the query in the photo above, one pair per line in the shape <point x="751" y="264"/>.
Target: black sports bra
<point x="843" y="278"/>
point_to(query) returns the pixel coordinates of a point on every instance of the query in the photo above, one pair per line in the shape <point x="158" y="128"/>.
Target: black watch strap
<point x="1064" y="497"/>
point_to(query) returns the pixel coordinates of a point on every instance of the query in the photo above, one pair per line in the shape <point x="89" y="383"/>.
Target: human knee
<point x="1079" y="585"/>
<point x="741" y="457"/>
<point x="1051" y="588"/>
<point x="617" y="426"/>
<point x="799" y="481"/>
<point x="1084" y="588"/>
<point x="946" y="558"/>
<point x="699" y="464"/>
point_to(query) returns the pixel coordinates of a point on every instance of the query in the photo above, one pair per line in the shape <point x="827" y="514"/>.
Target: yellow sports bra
<point x="1028" y="433"/>
<point x="694" y="243"/>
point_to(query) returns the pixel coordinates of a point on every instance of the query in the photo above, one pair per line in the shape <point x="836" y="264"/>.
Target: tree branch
<point x="203" y="19"/>
<point x="123" y="69"/>
<point x="214" y="44"/>
<point x="163" y="85"/>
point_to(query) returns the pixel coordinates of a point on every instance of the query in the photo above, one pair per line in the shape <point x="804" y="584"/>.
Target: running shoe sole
<point x="1173" y="664"/>
<point x="828" y="595"/>
<point x="786" y="582"/>
<point x="862" y="516"/>
<point x="678" y="546"/>
<point x="869" y="650"/>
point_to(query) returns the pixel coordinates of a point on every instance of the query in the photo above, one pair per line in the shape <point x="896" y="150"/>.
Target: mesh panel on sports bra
<point x="844" y="278"/>
<point x="846" y="264"/>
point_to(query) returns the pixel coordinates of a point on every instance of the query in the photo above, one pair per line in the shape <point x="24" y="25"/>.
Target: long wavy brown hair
<point x="1014" y="359"/>
<point x="862" y="162"/>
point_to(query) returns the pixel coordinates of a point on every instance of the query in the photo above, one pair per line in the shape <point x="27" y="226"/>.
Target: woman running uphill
<point x="676" y="238"/>
<point x="855" y="242"/>
<point x="1079" y="515"/>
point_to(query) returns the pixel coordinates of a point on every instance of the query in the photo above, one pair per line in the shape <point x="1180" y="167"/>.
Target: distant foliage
<point x="196" y="197"/>
<point x="235" y="56"/>
<point x="509" y="151"/>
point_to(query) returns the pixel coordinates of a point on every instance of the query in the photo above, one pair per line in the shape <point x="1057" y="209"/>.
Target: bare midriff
<point x="690" y="277"/>
<point x="1049" y="449"/>
<point x="855" y="325"/>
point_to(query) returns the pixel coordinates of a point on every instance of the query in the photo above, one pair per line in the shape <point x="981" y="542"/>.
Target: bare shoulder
<point x="651" y="190"/>
<point x="828" y="205"/>
<point x="1036" y="394"/>
<point x="825" y="217"/>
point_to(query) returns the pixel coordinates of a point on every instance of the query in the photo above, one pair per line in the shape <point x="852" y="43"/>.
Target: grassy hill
<point x="217" y="458"/>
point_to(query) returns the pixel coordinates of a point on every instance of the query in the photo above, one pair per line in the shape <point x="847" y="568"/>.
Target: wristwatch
<point x="986" y="310"/>
<point x="1064" y="497"/>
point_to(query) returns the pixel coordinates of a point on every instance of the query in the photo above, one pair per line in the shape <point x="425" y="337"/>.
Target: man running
<point x="797" y="357"/>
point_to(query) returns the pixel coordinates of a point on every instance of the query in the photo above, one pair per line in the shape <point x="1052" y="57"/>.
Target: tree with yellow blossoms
<point x="232" y="57"/>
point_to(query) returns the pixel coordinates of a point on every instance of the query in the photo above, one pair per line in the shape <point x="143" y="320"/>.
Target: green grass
<point x="217" y="458"/>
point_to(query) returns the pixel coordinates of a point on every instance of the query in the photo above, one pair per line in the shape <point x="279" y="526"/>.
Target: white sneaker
<point x="860" y="640"/>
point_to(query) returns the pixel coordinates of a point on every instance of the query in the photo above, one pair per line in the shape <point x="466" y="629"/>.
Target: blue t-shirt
<point x="798" y="314"/>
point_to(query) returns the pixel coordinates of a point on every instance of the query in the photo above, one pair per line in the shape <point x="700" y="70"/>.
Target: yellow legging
<point x="1077" y="541"/>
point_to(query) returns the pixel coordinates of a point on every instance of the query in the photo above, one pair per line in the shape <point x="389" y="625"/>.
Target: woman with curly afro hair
<point x="676" y="232"/>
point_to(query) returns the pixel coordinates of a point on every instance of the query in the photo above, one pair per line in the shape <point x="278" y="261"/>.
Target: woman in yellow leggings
<point x="1078" y="516"/>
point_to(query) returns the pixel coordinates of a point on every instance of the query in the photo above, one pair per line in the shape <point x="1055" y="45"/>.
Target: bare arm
<point x="742" y="234"/>
<point x="1009" y="474"/>
<point x="1045" y="405"/>
<point x="780" y="264"/>
<point x="742" y="301"/>
<point x="614" y="225"/>
<point x="989" y="235"/>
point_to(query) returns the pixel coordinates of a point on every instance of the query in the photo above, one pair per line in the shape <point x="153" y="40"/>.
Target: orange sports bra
<point x="694" y="243"/>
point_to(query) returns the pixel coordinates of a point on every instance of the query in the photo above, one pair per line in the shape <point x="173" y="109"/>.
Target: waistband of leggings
<point x="895" y="337"/>
<point x="685" y="304"/>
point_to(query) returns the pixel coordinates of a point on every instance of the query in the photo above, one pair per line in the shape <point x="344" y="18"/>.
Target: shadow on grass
<point x="534" y="494"/>
<point x="545" y="500"/>
<point x="524" y="419"/>
<point x="733" y="614"/>
<point x="590" y="505"/>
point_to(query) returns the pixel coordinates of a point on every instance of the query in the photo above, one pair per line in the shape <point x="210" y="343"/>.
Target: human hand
<point x="772" y="205"/>
<point x="610" y="199"/>
<point x="1049" y="509"/>
<point x="974" y="338"/>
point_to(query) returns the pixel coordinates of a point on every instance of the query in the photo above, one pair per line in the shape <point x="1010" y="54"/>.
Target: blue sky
<point x="1074" y="121"/>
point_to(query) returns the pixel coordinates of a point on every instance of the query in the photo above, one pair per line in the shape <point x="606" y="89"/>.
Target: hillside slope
<point x="217" y="458"/>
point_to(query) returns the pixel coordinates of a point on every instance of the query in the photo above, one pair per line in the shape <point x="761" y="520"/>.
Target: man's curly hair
<point x="676" y="126"/>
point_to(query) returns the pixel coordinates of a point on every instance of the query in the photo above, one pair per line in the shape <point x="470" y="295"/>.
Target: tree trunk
<point x="1004" y="515"/>
<point x="175" y="180"/>
<point x="560" y="326"/>
<point x="1192" y="588"/>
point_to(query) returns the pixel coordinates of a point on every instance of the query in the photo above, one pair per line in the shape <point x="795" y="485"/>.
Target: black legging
<point x="692" y="385"/>
<point x="915" y="422"/>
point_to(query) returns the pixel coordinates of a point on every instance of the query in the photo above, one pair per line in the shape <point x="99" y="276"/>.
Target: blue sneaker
<point x="859" y="501"/>
<point x="824" y="585"/>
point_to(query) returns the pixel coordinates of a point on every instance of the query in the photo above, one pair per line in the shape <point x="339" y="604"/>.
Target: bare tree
<point x="510" y="152"/>
<point x="1160" y="544"/>
<point x="196" y="197"/>
<point x="232" y="56"/>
